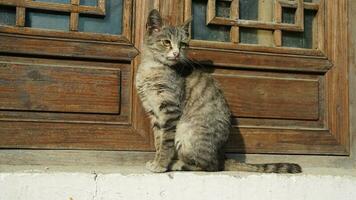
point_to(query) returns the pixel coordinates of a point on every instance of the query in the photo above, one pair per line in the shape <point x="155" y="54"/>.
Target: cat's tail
<point x="234" y="165"/>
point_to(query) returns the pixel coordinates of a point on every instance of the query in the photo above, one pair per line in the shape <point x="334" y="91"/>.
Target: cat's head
<point x="166" y="43"/>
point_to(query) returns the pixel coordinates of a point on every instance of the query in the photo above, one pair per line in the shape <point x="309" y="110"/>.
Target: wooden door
<point x="66" y="75"/>
<point x="67" y="69"/>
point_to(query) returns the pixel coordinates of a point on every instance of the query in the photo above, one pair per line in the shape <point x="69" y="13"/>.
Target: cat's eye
<point x="166" y="43"/>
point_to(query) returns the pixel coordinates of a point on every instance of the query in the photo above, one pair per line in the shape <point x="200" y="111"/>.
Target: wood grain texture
<point x="140" y="121"/>
<point x="172" y="11"/>
<point x="352" y="76"/>
<point x="20" y="16"/>
<point x="259" y="60"/>
<point x="265" y="13"/>
<point x="66" y="48"/>
<point x="231" y="47"/>
<point x="278" y="18"/>
<point x="271" y="97"/>
<point x="285" y="141"/>
<point x="317" y="124"/>
<point x="328" y="60"/>
<point x="123" y="117"/>
<point x="337" y="49"/>
<point x="86" y="39"/>
<point x="43" y="135"/>
<point x="59" y="89"/>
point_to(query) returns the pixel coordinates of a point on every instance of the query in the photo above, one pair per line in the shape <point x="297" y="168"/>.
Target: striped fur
<point x="189" y="115"/>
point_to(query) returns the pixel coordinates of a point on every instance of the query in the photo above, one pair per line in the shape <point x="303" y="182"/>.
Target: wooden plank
<point x="265" y="14"/>
<point x="74" y="19"/>
<point x="20" y="16"/>
<point x="74" y="16"/>
<point x="337" y="48"/>
<point x="61" y="34"/>
<point x="256" y="24"/>
<point x="278" y="19"/>
<point x="277" y="141"/>
<point x="299" y="14"/>
<point x="66" y="48"/>
<point x="352" y="75"/>
<point x="319" y="29"/>
<point x="210" y="11"/>
<point x="226" y="46"/>
<point x="125" y="94"/>
<point x="259" y="60"/>
<point x="127" y="20"/>
<point x="270" y="97"/>
<point x="59" y="89"/>
<point x="234" y="14"/>
<point x="172" y="11"/>
<point x="42" y="135"/>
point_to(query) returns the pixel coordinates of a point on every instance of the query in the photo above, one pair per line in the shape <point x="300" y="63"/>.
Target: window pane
<point x="111" y="23"/>
<point x="223" y="9"/>
<point x="248" y="9"/>
<point x="89" y="2"/>
<point x="47" y="20"/>
<point x="248" y="36"/>
<point x="7" y="15"/>
<point x="288" y="15"/>
<point x="201" y="31"/>
<point x="300" y="39"/>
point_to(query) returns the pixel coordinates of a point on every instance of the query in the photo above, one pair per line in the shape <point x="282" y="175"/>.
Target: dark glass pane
<point x="301" y="39"/>
<point x="89" y="2"/>
<point x="55" y="1"/>
<point x="201" y="31"/>
<point x="248" y="35"/>
<point x="288" y="15"/>
<point x="7" y="15"/>
<point x="47" y="20"/>
<point x="223" y="9"/>
<point x="248" y="9"/>
<point x="111" y="23"/>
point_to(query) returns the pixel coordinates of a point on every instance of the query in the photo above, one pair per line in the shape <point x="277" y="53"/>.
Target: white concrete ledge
<point x="171" y="186"/>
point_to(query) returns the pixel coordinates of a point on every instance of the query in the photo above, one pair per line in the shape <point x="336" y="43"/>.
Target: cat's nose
<point x="176" y="54"/>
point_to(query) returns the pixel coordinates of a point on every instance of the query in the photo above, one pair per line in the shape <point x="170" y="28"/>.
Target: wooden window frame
<point x="19" y="39"/>
<point x="328" y="60"/>
<point x="235" y="23"/>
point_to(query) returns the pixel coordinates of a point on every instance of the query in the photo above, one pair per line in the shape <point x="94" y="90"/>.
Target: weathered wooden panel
<point x="271" y="97"/>
<point x="70" y="136"/>
<point x="59" y="89"/>
<point x="65" y="48"/>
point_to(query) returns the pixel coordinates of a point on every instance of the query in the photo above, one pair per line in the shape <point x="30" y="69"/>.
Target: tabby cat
<point x="189" y="115"/>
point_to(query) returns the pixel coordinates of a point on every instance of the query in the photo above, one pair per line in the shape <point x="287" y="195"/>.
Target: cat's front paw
<point x="153" y="166"/>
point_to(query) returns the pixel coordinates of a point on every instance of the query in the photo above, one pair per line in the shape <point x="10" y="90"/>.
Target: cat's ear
<point x="154" y="21"/>
<point x="186" y="25"/>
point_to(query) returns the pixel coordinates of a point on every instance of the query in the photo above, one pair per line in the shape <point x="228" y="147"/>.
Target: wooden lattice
<point x="74" y="8"/>
<point x="276" y="24"/>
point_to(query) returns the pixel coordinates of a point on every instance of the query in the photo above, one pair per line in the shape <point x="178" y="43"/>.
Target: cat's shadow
<point x="235" y="147"/>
